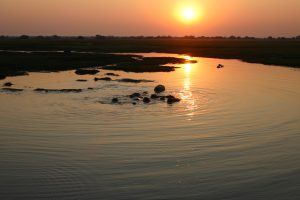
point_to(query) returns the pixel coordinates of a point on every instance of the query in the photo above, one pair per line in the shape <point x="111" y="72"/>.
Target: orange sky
<point x="149" y="17"/>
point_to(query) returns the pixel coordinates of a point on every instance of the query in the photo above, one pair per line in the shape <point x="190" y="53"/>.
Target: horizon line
<point x="153" y="36"/>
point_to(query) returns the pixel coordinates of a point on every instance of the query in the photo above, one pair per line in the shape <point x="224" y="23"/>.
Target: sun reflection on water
<point x="188" y="69"/>
<point x="186" y="92"/>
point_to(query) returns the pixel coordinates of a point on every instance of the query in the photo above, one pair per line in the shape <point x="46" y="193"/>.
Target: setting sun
<point x="150" y="99"/>
<point x="188" y="14"/>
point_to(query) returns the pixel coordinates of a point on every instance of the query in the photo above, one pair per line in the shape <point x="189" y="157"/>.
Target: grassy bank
<point x="283" y="52"/>
<point x="20" y="63"/>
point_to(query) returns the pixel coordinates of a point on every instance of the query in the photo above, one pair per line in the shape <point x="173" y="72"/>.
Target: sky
<point x="150" y="17"/>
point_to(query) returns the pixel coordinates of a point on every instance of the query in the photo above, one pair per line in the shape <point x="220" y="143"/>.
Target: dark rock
<point x="159" y="89"/>
<point x="145" y="93"/>
<point x="8" y="84"/>
<point x="154" y="96"/>
<point x="86" y="71"/>
<point x="81" y="80"/>
<point x="128" y="80"/>
<point x="12" y="90"/>
<point x="135" y="95"/>
<point x="58" y="90"/>
<point x="146" y="100"/>
<point x="90" y="88"/>
<point x="115" y="100"/>
<point x="103" y="79"/>
<point x="171" y="99"/>
<point x="112" y="74"/>
<point x="2" y="77"/>
<point x="133" y="103"/>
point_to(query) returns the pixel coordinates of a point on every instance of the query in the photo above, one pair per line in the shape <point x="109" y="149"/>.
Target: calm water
<point x="235" y="135"/>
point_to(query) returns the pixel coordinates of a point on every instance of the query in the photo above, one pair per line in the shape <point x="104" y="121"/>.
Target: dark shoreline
<point x="20" y="63"/>
<point x="280" y="52"/>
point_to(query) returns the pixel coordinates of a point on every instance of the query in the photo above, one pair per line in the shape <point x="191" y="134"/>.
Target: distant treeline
<point x="102" y="37"/>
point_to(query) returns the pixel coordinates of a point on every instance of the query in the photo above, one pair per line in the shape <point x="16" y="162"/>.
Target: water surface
<point x="234" y="135"/>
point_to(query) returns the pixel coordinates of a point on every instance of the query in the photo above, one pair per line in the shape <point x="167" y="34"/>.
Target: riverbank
<point x="20" y="63"/>
<point x="285" y="52"/>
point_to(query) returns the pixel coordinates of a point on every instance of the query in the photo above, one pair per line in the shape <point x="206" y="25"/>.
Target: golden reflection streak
<point x="187" y="69"/>
<point x="186" y="93"/>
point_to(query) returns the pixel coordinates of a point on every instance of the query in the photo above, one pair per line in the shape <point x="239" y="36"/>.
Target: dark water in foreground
<point x="235" y="135"/>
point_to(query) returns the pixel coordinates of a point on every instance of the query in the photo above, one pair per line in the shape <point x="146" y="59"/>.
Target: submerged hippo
<point x="8" y="84"/>
<point x="159" y="89"/>
<point x="220" y="66"/>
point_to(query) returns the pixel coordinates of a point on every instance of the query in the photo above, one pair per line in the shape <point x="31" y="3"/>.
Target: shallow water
<point x="234" y="135"/>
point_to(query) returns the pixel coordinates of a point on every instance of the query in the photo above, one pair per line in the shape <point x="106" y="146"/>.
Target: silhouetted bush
<point x="100" y="37"/>
<point x="24" y="37"/>
<point x="189" y="37"/>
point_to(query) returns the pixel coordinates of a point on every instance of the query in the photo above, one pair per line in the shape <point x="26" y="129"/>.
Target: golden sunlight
<point x="187" y="68"/>
<point x="188" y="12"/>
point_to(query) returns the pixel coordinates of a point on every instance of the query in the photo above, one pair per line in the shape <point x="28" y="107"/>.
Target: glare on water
<point x="235" y="134"/>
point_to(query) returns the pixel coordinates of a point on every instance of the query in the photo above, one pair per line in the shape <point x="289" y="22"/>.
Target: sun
<point x="188" y="14"/>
